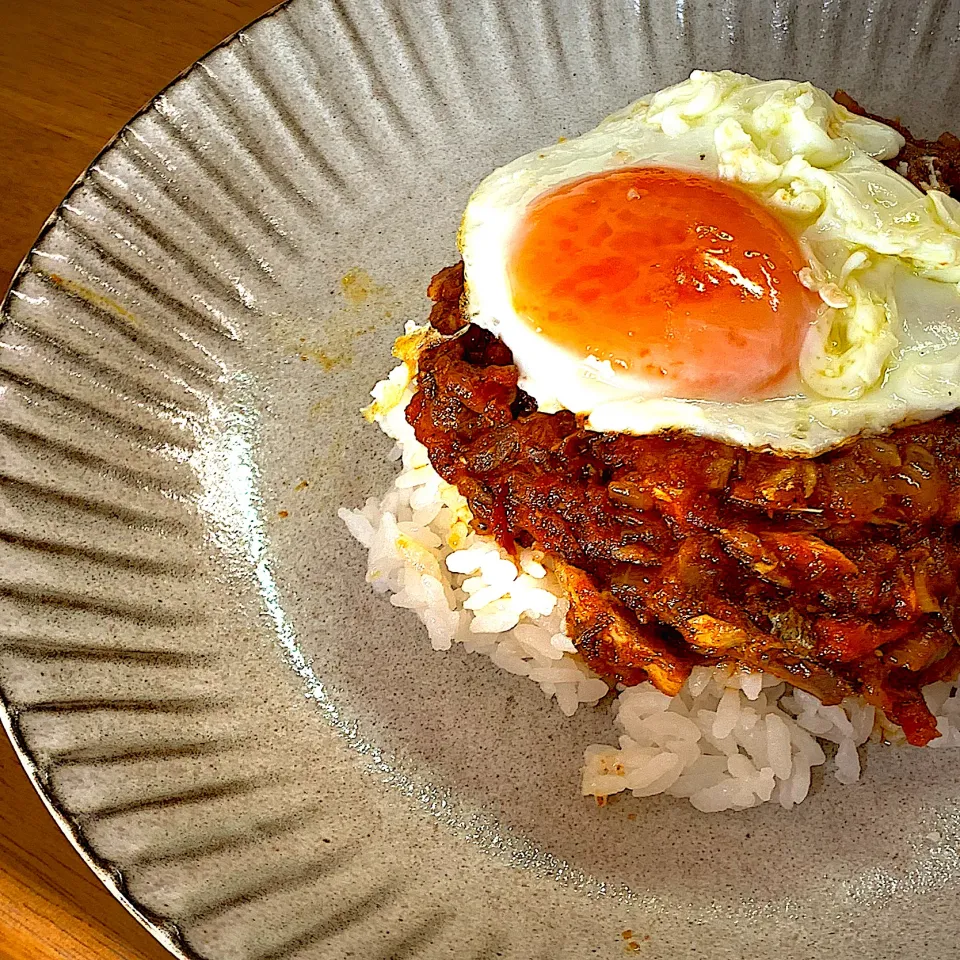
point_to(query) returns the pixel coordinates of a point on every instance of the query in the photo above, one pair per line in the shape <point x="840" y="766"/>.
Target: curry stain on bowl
<point x="362" y="293"/>
<point x="92" y="297"/>
<point x="320" y="356"/>
<point x="358" y="287"/>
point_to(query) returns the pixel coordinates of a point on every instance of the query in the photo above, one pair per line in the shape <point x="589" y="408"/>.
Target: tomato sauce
<point x="838" y="574"/>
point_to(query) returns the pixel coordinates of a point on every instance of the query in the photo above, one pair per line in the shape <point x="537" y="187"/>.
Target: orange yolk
<point x="682" y="281"/>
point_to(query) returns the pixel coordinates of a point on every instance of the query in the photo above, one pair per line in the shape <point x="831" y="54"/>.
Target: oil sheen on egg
<point x="729" y="257"/>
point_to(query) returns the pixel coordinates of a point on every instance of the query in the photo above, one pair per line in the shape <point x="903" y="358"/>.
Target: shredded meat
<point x="446" y="290"/>
<point x="837" y="573"/>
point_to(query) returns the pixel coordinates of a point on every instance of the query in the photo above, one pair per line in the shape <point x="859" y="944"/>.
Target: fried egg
<point x="728" y="257"/>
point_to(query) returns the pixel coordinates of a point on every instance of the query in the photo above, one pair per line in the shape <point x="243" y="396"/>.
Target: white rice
<point x="729" y="740"/>
<point x="464" y="587"/>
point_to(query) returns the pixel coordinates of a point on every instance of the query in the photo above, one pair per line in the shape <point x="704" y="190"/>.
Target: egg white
<point x="883" y="256"/>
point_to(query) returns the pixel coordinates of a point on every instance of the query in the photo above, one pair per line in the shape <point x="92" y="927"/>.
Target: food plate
<point x="262" y="758"/>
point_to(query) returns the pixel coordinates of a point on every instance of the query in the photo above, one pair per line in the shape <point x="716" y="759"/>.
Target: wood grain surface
<point x="72" y="72"/>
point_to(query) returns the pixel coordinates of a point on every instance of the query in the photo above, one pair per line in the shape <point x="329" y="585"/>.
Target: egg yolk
<point x="682" y="281"/>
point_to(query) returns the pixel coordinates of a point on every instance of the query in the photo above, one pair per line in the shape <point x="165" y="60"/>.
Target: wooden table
<point x="72" y="72"/>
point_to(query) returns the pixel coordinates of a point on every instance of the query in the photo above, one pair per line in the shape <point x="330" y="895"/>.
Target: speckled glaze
<point x="262" y="758"/>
